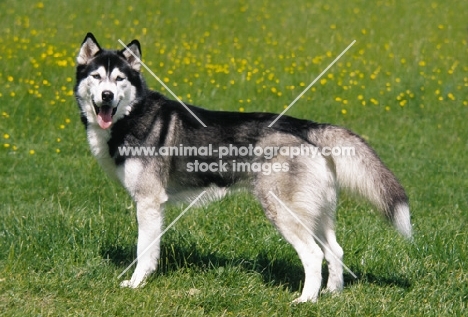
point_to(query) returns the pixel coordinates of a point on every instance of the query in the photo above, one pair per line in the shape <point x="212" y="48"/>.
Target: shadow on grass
<point x="383" y="281"/>
<point x="277" y="272"/>
<point x="174" y="258"/>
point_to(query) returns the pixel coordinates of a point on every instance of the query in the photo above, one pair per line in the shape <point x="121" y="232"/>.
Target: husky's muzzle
<point x="106" y="110"/>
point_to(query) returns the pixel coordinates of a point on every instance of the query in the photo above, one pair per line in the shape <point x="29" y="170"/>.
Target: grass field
<point x="67" y="231"/>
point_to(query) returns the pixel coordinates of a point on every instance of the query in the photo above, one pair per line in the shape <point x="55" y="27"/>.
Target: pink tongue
<point x="105" y="117"/>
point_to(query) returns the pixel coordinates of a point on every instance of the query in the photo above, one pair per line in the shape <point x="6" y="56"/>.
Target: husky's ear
<point x="132" y="54"/>
<point x="89" y="49"/>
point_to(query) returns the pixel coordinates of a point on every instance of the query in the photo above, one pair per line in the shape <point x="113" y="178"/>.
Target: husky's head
<point x="107" y="82"/>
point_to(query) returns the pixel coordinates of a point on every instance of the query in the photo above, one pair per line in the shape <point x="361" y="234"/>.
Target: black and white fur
<point x="118" y="109"/>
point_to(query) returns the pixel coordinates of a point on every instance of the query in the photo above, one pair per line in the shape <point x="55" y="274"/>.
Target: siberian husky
<point x="157" y="147"/>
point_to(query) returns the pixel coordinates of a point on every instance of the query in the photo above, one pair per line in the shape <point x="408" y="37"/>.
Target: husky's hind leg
<point x="333" y="254"/>
<point x="310" y="254"/>
<point x="297" y="204"/>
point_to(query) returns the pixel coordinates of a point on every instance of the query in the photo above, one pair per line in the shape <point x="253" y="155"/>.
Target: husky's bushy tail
<point x="364" y="173"/>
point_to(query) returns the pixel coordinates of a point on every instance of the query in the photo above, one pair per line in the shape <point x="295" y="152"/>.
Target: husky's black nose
<point x="107" y="96"/>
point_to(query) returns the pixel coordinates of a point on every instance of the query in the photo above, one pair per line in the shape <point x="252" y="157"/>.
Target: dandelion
<point x="451" y="96"/>
<point x="6" y="136"/>
<point x="241" y="109"/>
<point x="343" y="111"/>
<point x="6" y="145"/>
<point x="57" y="151"/>
<point x="422" y="63"/>
<point x="32" y="152"/>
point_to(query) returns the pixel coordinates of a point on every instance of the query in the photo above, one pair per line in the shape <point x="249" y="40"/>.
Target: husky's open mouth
<point x="104" y="114"/>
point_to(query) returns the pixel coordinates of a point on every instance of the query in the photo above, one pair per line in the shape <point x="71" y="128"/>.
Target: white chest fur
<point x="97" y="139"/>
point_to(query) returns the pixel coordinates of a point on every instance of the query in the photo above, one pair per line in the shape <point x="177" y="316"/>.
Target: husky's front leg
<point x="150" y="222"/>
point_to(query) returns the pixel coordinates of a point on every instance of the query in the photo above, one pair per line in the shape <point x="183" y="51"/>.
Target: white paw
<point x="126" y="283"/>
<point x="305" y="299"/>
<point x="131" y="284"/>
<point x="333" y="290"/>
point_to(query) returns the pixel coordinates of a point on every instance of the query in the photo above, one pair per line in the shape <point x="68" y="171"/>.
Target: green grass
<point x="67" y="232"/>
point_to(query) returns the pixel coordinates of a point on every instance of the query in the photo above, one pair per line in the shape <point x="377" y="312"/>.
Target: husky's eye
<point x="96" y="76"/>
<point x="119" y="78"/>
